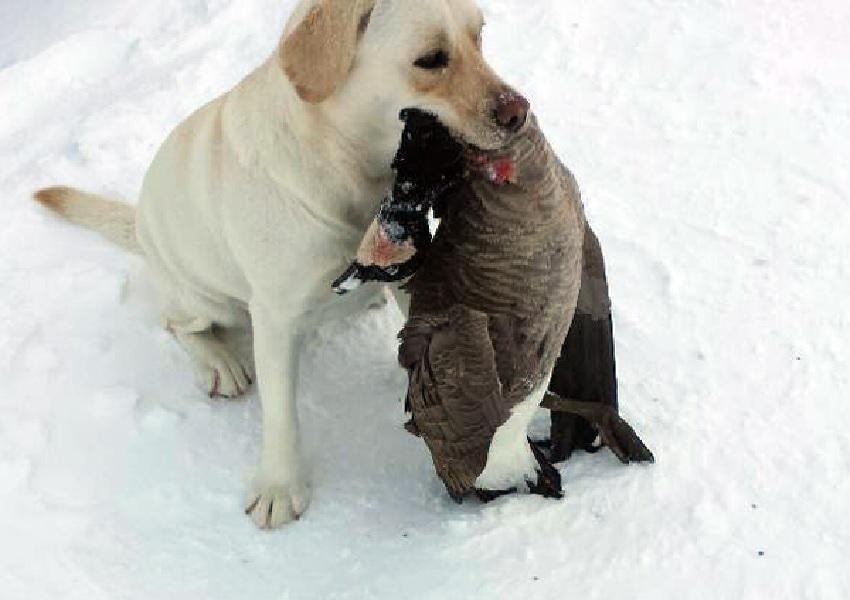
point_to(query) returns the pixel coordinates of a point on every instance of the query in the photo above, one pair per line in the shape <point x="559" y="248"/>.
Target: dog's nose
<point x="511" y="110"/>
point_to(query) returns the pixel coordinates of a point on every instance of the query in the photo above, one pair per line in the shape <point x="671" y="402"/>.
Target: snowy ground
<point x="712" y="140"/>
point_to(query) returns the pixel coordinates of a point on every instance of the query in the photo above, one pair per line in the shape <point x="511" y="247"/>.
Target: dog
<point x="256" y="202"/>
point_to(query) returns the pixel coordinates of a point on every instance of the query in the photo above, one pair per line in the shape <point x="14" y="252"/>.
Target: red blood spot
<point x="502" y="171"/>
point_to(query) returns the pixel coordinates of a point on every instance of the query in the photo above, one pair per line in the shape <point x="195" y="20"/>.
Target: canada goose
<point x="491" y="305"/>
<point x="492" y="300"/>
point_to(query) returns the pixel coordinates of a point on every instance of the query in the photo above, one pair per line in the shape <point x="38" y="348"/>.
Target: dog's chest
<point x="342" y="201"/>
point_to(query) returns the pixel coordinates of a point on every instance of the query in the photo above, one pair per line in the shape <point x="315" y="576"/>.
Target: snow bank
<point x="712" y="141"/>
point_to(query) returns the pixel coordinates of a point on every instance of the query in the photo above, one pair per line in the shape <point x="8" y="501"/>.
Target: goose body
<point x="491" y="306"/>
<point x="514" y="267"/>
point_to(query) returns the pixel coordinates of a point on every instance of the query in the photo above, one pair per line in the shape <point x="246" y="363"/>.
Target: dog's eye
<point x="439" y="59"/>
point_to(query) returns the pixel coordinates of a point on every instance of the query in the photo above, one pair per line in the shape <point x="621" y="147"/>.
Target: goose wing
<point x="454" y="392"/>
<point x="586" y="370"/>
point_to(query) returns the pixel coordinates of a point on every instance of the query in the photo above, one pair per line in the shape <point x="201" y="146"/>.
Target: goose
<point x="512" y="269"/>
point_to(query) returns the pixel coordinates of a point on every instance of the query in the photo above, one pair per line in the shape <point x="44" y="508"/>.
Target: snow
<point x="712" y="142"/>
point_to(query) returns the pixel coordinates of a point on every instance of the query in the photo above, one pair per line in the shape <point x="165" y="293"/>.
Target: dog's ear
<point x="319" y="52"/>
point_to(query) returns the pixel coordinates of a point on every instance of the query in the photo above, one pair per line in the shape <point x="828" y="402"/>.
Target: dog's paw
<point x="224" y="375"/>
<point x="272" y="503"/>
<point x="220" y="370"/>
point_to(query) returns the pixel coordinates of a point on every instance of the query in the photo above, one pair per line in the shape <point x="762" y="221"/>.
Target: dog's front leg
<point x="279" y="492"/>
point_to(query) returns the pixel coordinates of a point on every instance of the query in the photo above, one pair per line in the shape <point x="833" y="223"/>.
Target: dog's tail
<point x="114" y="220"/>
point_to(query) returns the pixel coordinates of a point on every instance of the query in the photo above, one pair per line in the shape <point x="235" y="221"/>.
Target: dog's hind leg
<point x="210" y="331"/>
<point x="222" y="371"/>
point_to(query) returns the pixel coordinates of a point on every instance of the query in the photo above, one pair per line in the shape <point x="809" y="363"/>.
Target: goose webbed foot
<point x="548" y="482"/>
<point x="622" y="439"/>
<point x="615" y="432"/>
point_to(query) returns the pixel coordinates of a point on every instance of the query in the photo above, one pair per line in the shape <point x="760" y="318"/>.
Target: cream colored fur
<point x="258" y="200"/>
<point x="115" y="221"/>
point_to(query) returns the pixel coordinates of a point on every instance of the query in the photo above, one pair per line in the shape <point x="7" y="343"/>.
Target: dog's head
<point x="367" y="59"/>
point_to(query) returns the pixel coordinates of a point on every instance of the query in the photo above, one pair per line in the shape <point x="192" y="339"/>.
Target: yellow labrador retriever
<point x="254" y="204"/>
